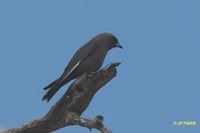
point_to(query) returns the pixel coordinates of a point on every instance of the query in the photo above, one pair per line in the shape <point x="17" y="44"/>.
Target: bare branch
<point x="96" y="123"/>
<point x="68" y="109"/>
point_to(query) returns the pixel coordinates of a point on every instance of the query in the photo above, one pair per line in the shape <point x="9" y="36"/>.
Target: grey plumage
<point x="89" y="58"/>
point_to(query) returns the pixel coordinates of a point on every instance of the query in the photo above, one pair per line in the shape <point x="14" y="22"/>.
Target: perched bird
<point x="89" y="58"/>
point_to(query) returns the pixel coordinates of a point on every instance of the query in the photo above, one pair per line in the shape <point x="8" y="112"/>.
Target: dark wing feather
<point x="78" y="58"/>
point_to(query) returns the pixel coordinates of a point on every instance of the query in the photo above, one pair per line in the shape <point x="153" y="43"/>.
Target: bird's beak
<point x="118" y="45"/>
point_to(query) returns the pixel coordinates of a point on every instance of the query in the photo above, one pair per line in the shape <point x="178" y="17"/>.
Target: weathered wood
<point x="73" y="103"/>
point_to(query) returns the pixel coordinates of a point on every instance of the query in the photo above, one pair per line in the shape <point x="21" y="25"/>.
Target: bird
<point x="88" y="58"/>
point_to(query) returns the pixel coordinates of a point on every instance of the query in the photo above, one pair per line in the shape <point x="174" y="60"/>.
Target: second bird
<point x="89" y="58"/>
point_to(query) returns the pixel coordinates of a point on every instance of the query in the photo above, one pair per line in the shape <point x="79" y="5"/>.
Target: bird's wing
<point x="68" y="73"/>
<point x="81" y="55"/>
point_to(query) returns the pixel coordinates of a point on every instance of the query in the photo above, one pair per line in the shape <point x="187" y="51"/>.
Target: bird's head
<point x="108" y="40"/>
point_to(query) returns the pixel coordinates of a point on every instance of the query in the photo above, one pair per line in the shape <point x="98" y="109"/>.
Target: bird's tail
<point x="50" y="93"/>
<point x="53" y="88"/>
<point x="50" y="85"/>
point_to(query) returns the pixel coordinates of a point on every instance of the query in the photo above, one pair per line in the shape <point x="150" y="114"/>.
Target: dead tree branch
<point x="68" y="109"/>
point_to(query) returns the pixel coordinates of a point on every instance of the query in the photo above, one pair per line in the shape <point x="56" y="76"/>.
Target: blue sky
<point x="158" y="81"/>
